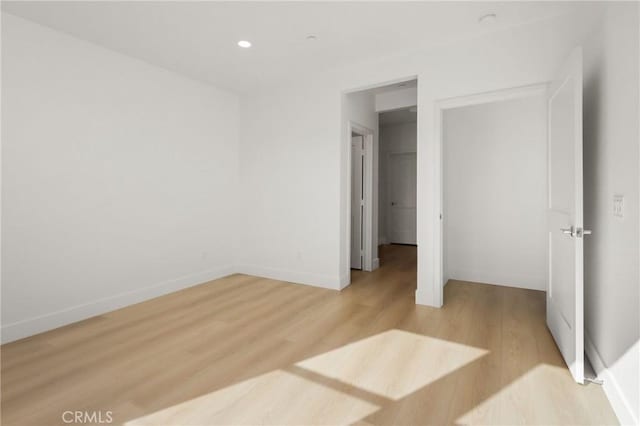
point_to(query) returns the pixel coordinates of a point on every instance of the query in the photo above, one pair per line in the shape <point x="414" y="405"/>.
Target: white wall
<point x="612" y="256"/>
<point x="495" y="187"/>
<point x="118" y="179"/>
<point x="397" y="138"/>
<point x="303" y="202"/>
<point x="290" y="179"/>
<point x="396" y="99"/>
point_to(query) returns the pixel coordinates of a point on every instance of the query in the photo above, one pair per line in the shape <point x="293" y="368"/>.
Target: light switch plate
<point x="618" y="205"/>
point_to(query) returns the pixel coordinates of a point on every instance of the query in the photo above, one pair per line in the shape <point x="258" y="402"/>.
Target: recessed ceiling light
<point x="244" y="43"/>
<point x="489" y="18"/>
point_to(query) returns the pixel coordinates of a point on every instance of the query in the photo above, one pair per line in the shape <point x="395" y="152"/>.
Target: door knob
<point x="576" y="232"/>
<point x="569" y="231"/>
<point x="582" y="232"/>
<point x="393" y="203"/>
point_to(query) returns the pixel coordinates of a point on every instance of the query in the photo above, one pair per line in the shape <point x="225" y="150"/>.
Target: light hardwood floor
<point x="246" y="350"/>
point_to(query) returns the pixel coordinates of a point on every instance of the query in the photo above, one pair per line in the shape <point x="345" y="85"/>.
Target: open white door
<point x="565" y="295"/>
<point x="357" y="201"/>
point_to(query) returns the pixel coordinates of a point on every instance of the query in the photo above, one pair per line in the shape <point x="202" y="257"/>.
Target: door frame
<point x="368" y="262"/>
<point x="440" y="107"/>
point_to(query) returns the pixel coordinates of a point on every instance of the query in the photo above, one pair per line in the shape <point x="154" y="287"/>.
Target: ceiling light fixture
<point x="244" y="43"/>
<point x="312" y="37"/>
<point x="489" y="18"/>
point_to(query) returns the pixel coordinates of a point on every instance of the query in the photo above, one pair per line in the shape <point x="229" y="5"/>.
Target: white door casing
<point x="402" y="198"/>
<point x="565" y="293"/>
<point x="357" y="201"/>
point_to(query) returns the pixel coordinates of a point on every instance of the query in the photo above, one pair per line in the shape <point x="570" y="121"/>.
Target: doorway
<point x="494" y="177"/>
<point x="364" y="214"/>
<point x="495" y="192"/>
<point x="511" y="197"/>
<point x="398" y="176"/>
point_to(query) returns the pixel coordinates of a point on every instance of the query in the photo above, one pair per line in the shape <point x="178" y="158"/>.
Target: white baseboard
<point x="425" y="299"/>
<point x="315" y="280"/>
<point x="40" y="324"/>
<point x="376" y="263"/>
<point x="508" y="280"/>
<point x="612" y="390"/>
<point x="345" y="280"/>
<point x="31" y="326"/>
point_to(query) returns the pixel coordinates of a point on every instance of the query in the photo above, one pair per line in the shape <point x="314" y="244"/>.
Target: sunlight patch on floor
<point x="342" y="386"/>
<point x="275" y="398"/>
<point x="393" y="364"/>
<point x="528" y="398"/>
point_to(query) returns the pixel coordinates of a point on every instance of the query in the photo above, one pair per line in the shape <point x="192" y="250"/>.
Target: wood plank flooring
<point x="244" y="351"/>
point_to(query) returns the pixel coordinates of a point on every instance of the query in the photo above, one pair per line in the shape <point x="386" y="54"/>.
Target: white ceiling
<point x="198" y="39"/>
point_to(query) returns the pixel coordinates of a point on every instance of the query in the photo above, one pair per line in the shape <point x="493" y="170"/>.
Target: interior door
<point x="402" y="198"/>
<point x="565" y="294"/>
<point x="357" y="201"/>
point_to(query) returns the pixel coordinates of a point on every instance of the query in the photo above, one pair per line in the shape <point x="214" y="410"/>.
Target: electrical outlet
<point x="618" y="205"/>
